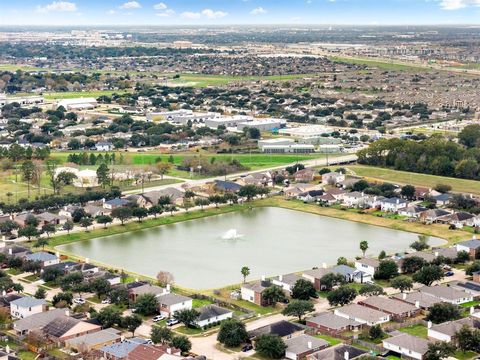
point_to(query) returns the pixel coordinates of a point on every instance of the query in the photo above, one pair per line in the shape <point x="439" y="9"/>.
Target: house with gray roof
<point x="397" y="310"/>
<point x="331" y="324"/>
<point x="447" y="294"/>
<point x="118" y="350"/>
<point x="95" y="340"/>
<point x="64" y="327"/>
<point x="37" y="321"/>
<point x="472" y="247"/>
<point x="27" y="306"/>
<point x="446" y="331"/>
<point x="252" y="292"/>
<point x="362" y="314"/>
<point x="367" y="265"/>
<point x="147" y="288"/>
<point x="418" y="299"/>
<point x="315" y="275"/>
<point x="299" y="347"/>
<point x="286" y="282"/>
<point x="284" y="329"/>
<point x="44" y="258"/>
<point x="407" y="345"/>
<point x="169" y="304"/>
<point x="212" y="314"/>
<point x="338" y="352"/>
<point x="393" y="204"/>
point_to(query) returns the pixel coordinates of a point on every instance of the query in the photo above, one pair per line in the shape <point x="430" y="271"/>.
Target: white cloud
<point x="209" y="13"/>
<point x="63" y="6"/>
<point x="130" y="5"/>
<point x="458" y="4"/>
<point x="166" y="13"/>
<point x="191" y="15"/>
<point x="258" y="11"/>
<point x="160" y="6"/>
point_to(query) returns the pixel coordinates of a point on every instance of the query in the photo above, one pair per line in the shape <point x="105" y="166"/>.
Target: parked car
<point x="106" y="301"/>
<point x="449" y="273"/>
<point x="172" y="322"/>
<point x="79" y="301"/>
<point x="158" y="318"/>
<point x="247" y="348"/>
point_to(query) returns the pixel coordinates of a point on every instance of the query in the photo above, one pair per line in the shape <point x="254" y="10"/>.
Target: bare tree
<point x="165" y="278"/>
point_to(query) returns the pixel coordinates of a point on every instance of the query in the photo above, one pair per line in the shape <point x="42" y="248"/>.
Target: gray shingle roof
<point x="37" y="321"/>
<point x="172" y="299"/>
<point x="332" y="321"/>
<point x="452" y="327"/>
<point x="28" y="301"/>
<point x="121" y="349"/>
<point x="300" y="344"/>
<point x="98" y="337"/>
<point x="391" y="306"/>
<point x="471" y="244"/>
<point x="211" y="311"/>
<point x="410" y="342"/>
<point x="41" y="256"/>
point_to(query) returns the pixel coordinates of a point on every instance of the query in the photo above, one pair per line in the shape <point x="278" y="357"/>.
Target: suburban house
<point x="252" y="292"/>
<point x="447" y="294"/>
<point x="310" y="196"/>
<point x="328" y="199"/>
<point x="37" y="321"/>
<point x="44" y="258"/>
<point x="118" y="350"/>
<point x="115" y="203"/>
<point x="418" y="299"/>
<point x="354" y="199"/>
<point x="211" y="314"/>
<point x="147" y="288"/>
<point x="407" y="345"/>
<point x="367" y="265"/>
<point x="48" y="218"/>
<point x="104" y="146"/>
<point x="304" y="176"/>
<point x="432" y="215"/>
<point x="27" y="306"/>
<point x="64" y="327"/>
<point x="458" y="219"/>
<point x="169" y="304"/>
<point x="470" y="246"/>
<point x="94" y="341"/>
<point x="282" y="328"/>
<point x="442" y="199"/>
<point x="176" y="196"/>
<point x="412" y="211"/>
<point x="397" y="310"/>
<point x="338" y="352"/>
<point x="95" y="210"/>
<point x="331" y="324"/>
<point x="332" y="178"/>
<point x="362" y="314"/>
<point x="393" y="204"/>
<point x="351" y="274"/>
<point x="286" y="282"/>
<point x="446" y="331"/>
<point x="315" y="275"/>
<point x="299" y="347"/>
<point x="227" y="186"/>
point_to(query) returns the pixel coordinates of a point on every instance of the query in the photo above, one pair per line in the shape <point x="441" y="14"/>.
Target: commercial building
<point x="228" y="121"/>
<point x="22" y="100"/>
<point x="288" y="149"/>
<point x="263" y="124"/>
<point x="78" y="103"/>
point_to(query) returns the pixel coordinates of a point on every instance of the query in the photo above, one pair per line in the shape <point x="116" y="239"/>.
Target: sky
<point x="232" y="12"/>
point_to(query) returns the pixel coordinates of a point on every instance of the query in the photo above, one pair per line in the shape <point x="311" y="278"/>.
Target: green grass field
<point x="416" y="179"/>
<point x="384" y="65"/>
<point x="80" y="94"/>
<point x="415" y="330"/>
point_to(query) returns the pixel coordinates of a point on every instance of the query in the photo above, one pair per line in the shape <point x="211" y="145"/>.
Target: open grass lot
<point x="333" y="341"/>
<point x="385" y="64"/>
<point x="80" y="94"/>
<point x="416" y="330"/>
<point x="14" y="67"/>
<point x="196" y="303"/>
<point x="470" y="304"/>
<point x="460" y="355"/>
<point x="402" y="177"/>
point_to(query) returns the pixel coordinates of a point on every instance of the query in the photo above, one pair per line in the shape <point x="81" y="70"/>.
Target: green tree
<point x="232" y="333"/>
<point x="473" y="267"/>
<point x="376" y="332"/>
<point x="442" y="312"/>
<point x="122" y="214"/>
<point x="272" y="295"/>
<point x="330" y="280"/>
<point x="100" y="287"/>
<point x="181" y="342"/>
<point x="386" y="270"/>
<point x="28" y="174"/>
<point x="29" y="232"/>
<point x="68" y="226"/>
<point x="49" y="229"/>
<point x="470" y="135"/>
<point x="298" y="308"/>
<point x="104" y="219"/>
<point x="408" y="191"/>
<point x="139" y="213"/>
<point x="303" y="290"/>
<point x="131" y="323"/>
<point x="468" y="339"/>
<point x="342" y="296"/>
<point x="41" y="293"/>
<point x="382" y="255"/>
<point x="245" y="271"/>
<point x="188" y="317"/>
<point x="342" y="261"/>
<point x="248" y="191"/>
<point x="41" y="242"/>
<point x="62" y="299"/>
<point x="371" y="290"/>
<point x="161" y="335"/>
<point x="412" y="264"/>
<point x="103" y="175"/>
<point x="86" y="222"/>
<point x="364" y="246"/>
<point x="428" y="275"/>
<point x="402" y="283"/>
<point x="421" y="243"/>
<point x="439" y="350"/>
<point x="109" y="316"/>
<point x="146" y="304"/>
<point x="270" y="346"/>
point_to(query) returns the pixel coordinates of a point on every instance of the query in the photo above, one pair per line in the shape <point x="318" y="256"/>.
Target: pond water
<point x="209" y="252"/>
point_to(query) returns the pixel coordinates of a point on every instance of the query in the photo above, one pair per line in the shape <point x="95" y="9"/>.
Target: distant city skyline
<point x="241" y="12"/>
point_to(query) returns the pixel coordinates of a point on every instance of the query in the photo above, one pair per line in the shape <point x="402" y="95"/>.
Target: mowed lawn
<point x="81" y="94"/>
<point x="402" y="177"/>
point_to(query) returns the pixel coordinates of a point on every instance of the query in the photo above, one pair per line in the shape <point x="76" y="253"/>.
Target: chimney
<point x="67" y="312"/>
<point x="309" y="344"/>
<point x="122" y="338"/>
<point x="474" y="237"/>
<point x="472" y="310"/>
<point x="324" y="265"/>
<point x="429" y="324"/>
<point x="417" y="304"/>
<point x="280" y="277"/>
<point x="7" y="349"/>
<point x="404" y="296"/>
<point x="168" y="288"/>
<point x="57" y="254"/>
<point x="346" y="355"/>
